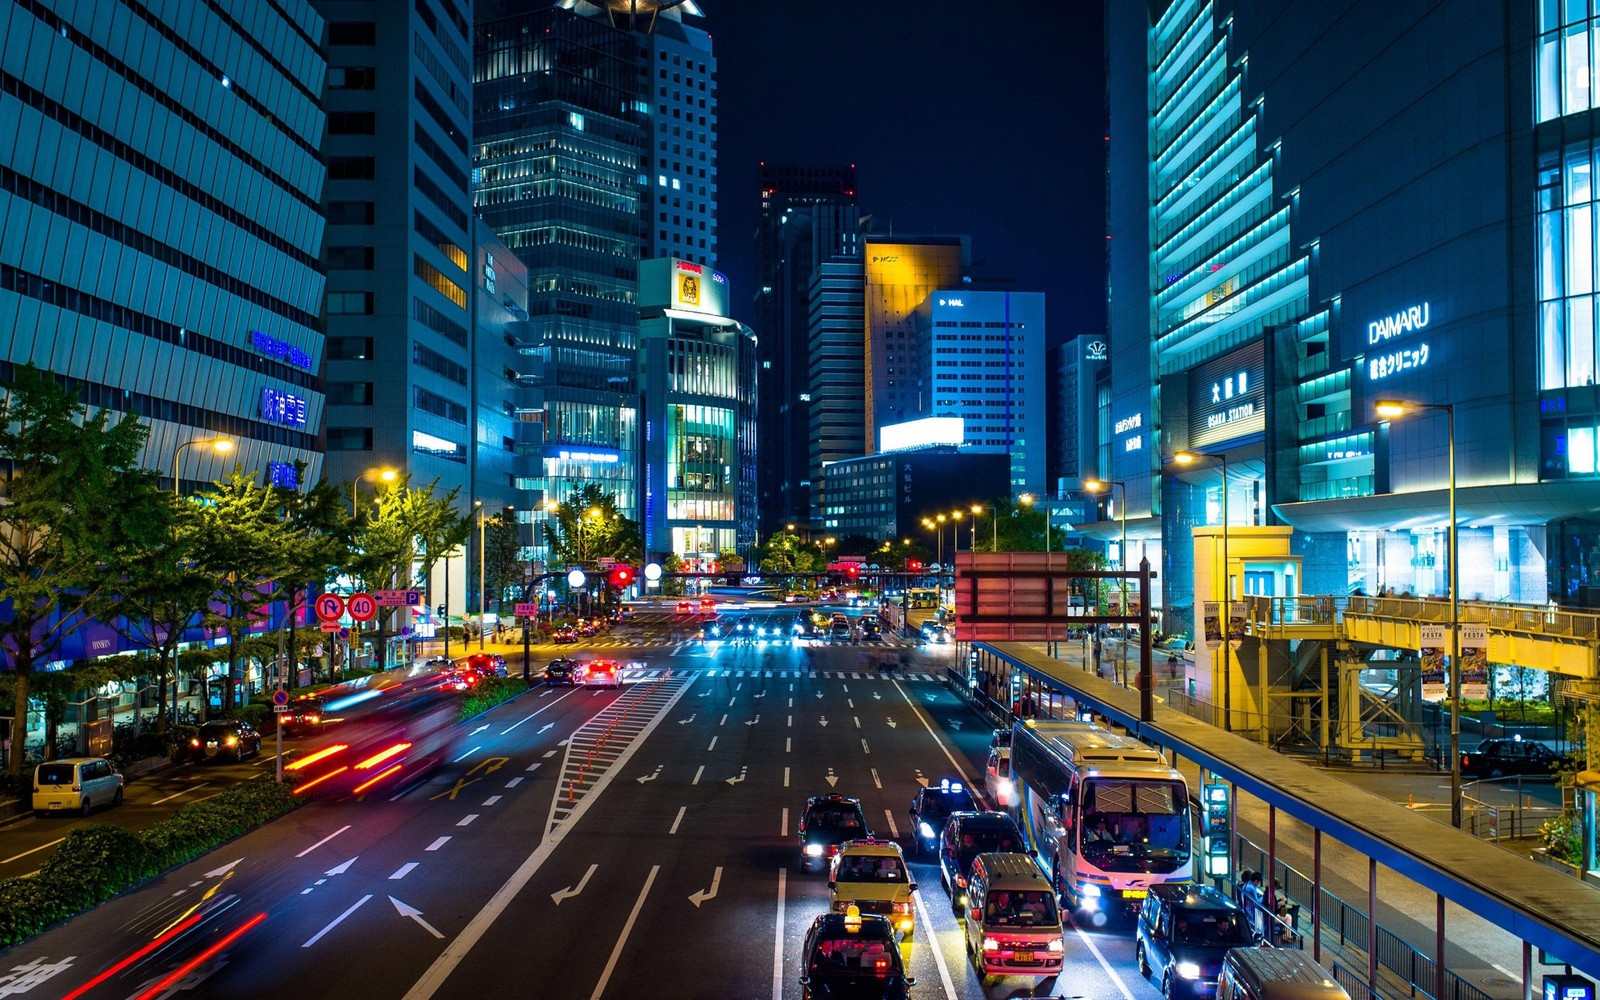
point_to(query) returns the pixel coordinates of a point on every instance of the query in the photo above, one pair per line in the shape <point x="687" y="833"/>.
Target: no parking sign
<point x="362" y="607"/>
<point x="330" y="607"/>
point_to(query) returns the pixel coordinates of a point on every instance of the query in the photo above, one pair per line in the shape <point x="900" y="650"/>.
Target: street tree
<point x="588" y="526"/>
<point x="318" y="534"/>
<point x="501" y="567"/>
<point x="397" y="543"/>
<point x="75" y="500"/>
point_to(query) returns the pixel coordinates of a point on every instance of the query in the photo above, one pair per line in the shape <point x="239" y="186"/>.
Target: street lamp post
<point x="1223" y="609"/>
<point x="1048" y="505"/>
<point x="1098" y="485"/>
<point x="220" y="446"/>
<point x="1397" y="408"/>
<point x="386" y="475"/>
<point x="483" y="605"/>
<point x="994" y="524"/>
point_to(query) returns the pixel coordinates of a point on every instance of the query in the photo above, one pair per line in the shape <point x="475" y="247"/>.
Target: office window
<point x="350" y="258"/>
<point x="352" y="168"/>
<point x="351" y="77"/>
<point x="349" y="303"/>
<point x="349" y="438"/>
<point x="350" y="349"/>
<point x="352" y="123"/>
<point x="352" y="33"/>
<point x="351" y="213"/>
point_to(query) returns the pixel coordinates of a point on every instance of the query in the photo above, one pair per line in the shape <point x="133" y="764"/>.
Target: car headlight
<point x="990" y="944"/>
<point x="1091" y="891"/>
<point x="813" y="850"/>
<point x="232" y="740"/>
<point x="1189" y="970"/>
<point x="924" y="829"/>
<point x="1054" y="947"/>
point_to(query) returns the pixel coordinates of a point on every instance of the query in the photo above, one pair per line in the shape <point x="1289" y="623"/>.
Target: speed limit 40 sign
<point x="362" y="607"/>
<point x="329" y="607"/>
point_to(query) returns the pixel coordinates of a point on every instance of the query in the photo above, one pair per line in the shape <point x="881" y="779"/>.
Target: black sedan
<point x="932" y="806"/>
<point x="228" y="738"/>
<point x="563" y="670"/>
<point x="1501" y="758"/>
<point x="852" y="955"/>
<point x="827" y="822"/>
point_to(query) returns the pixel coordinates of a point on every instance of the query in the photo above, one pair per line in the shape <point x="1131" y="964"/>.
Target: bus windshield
<point x="1134" y="820"/>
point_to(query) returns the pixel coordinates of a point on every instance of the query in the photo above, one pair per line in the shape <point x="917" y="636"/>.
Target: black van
<point x="1185" y="932"/>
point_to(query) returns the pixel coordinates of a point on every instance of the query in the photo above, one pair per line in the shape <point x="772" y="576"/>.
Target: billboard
<point x="683" y="286"/>
<point x="1228" y="396"/>
<point x="924" y="433"/>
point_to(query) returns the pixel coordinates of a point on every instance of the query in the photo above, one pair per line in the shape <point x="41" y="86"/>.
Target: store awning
<point x="1476" y="507"/>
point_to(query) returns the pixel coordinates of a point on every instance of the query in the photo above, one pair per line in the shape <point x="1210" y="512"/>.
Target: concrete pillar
<point x="1261" y="681"/>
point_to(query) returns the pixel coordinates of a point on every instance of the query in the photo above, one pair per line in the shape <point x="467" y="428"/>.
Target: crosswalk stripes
<point x="650" y="673"/>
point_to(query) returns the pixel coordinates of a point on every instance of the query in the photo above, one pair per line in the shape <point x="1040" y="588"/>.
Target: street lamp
<point x="483" y="552"/>
<point x="938" y="534"/>
<point x="220" y="446"/>
<point x="994" y="525"/>
<point x="955" y="537"/>
<point x="1389" y="409"/>
<point x="386" y="475"/>
<point x="1029" y="499"/>
<point x="1099" y="486"/>
<point x="1189" y="458"/>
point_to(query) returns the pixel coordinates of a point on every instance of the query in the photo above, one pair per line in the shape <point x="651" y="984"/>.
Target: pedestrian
<point x="1172" y="665"/>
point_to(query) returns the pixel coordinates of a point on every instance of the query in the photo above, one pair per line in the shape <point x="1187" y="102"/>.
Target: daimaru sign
<point x="1406" y="321"/>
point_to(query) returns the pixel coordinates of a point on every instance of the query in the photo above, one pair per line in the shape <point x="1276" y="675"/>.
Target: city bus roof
<point x="1085" y="745"/>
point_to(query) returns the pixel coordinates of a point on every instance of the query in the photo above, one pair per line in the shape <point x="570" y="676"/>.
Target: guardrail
<point x="1525" y="619"/>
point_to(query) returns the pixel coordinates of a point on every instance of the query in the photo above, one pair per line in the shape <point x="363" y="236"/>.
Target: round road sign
<point x="652" y="571"/>
<point x="362" y="607"/>
<point x="280" y="697"/>
<point x="344" y="633"/>
<point x="330" y="607"/>
<point x="575" y="579"/>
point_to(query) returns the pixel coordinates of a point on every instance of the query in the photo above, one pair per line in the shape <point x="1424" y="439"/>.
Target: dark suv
<point x="1497" y="758"/>
<point x="828" y="821"/>
<point x="225" y="738"/>
<point x="1184" y="933"/>
<point x="932" y="806"/>
<point x="967" y="835"/>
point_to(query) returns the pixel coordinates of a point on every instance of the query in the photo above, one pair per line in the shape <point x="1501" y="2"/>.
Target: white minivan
<point x="77" y="784"/>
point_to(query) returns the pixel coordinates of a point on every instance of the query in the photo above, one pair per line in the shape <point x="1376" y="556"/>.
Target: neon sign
<point x="278" y="350"/>
<point x="283" y="408"/>
<point x="1405" y="321"/>
<point x="1395" y="362"/>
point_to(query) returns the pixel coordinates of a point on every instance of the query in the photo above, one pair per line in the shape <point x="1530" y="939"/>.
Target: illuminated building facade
<point x="399" y="240"/>
<point x="885" y="496"/>
<point x="837" y="370"/>
<point x="698" y="383"/>
<point x="900" y="273"/>
<point x="1330" y="206"/>
<point x="807" y="216"/>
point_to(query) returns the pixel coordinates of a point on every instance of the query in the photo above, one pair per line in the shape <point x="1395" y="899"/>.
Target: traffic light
<point x="621" y="576"/>
<point x="854" y="572"/>
<point x="440" y="610"/>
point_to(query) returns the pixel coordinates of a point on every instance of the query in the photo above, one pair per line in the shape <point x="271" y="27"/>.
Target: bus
<point x="1108" y="813"/>
<point x="922" y="597"/>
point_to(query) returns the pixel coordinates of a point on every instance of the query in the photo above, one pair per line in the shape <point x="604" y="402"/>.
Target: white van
<point x="1275" y="974"/>
<point x="1011" y="924"/>
<point x="75" y="783"/>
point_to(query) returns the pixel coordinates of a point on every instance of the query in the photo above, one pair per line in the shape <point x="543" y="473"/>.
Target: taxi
<point x="869" y="875"/>
<point x="852" y="955"/>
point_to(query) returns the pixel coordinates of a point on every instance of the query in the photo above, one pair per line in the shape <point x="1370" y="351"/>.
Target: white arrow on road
<point x="893" y="724"/>
<point x="573" y="890"/>
<point x="954" y="724"/>
<point x="406" y="910"/>
<point x="219" y="872"/>
<point x="832" y="778"/>
<point x="547" y="726"/>
<point x="876" y="696"/>
<point x="341" y="869"/>
<point x="704" y="894"/>
<point x="735" y="781"/>
<point x="761" y="694"/>
<point x="823" y="721"/>
<point x="473" y="733"/>
<point x="653" y="775"/>
<point x="684" y="722"/>
<point x="754" y="720"/>
<point x="819" y="694"/>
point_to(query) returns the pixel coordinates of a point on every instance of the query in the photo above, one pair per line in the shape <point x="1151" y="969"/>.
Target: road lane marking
<point x="788" y="744"/>
<point x="850" y="702"/>
<point x="532" y="767"/>
<point x="324" y="840"/>
<point x="337" y="920"/>
<point x="888" y="814"/>
<point x="1123" y="987"/>
<point x="437" y="844"/>
<point x="678" y="819"/>
<point x="622" y="939"/>
<point x="713" y="745"/>
<point x="786" y="777"/>
<point x="41" y="847"/>
<point x="468" y="818"/>
<point x="464" y="756"/>
<point x="938" y="953"/>
<point x="791" y="722"/>
<point x="777" y="938"/>
<point x="551" y="753"/>
<point x="946" y="750"/>
<point x="525" y="719"/>
<point x="864" y="748"/>
<point x="491" y="800"/>
<point x="858" y="720"/>
<point x="403" y="871"/>
<point x="876" y="781"/>
<point x="783" y="823"/>
<point x="724" y="720"/>
<point x="169" y="798"/>
<point x="514" y="782"/>
<point x="433" y="979"/>
<point x="697" y="774"/>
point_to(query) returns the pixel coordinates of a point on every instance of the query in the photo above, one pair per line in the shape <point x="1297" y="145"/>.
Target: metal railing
<point x="1355" y="984"/>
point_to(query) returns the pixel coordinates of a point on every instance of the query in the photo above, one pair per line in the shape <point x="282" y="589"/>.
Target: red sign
<point x="330" y="607"/>
<point x="362" y="607"/>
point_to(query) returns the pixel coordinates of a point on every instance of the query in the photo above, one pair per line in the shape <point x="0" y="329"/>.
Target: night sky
<point x="961" y="117"/>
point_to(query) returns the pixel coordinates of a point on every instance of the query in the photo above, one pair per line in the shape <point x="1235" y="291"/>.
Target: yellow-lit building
<point x="900" y="273"/>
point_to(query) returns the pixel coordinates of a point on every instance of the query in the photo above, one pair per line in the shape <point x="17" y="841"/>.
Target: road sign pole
<point x="527" y="672"/>
<point x="279" y="719"/>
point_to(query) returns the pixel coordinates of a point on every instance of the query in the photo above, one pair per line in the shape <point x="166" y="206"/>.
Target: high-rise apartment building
<point x="837" y="372"/>
<point x="162" y="210"/>
<point x="900" y="273"/>
<point x="808" y="215"/>
<point x="1333" y="205"/>
<point x="980" y="357"/>
<point x="399" y="240"/>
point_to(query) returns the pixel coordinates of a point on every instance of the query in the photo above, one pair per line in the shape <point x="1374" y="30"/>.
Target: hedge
<point x="96" y="863"/>
<point x="487" y="694"/>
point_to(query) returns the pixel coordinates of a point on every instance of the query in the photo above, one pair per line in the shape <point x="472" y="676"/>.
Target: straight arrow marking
<point x="704" y="894"/>
<point x="415" y="914"/>
<point x="219" y="872"/>
<point x="341" y="869"/>
<point x="573" y="890"/>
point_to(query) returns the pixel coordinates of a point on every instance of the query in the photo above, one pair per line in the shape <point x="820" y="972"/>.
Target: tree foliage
<point x="396" y="544"/>
<point x="588" y="526"/>
<point x="501" y="568"/>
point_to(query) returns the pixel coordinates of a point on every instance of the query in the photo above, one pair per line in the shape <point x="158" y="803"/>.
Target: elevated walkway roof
<point x="1537" y="904"/>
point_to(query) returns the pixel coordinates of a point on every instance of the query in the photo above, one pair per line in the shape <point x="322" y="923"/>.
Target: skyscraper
<point x="900" y="273"/>
<point x="161" y="205"/>
<point x="837" y="372"/>
<point x="808" y="215"/>
<point x="399" y="241"/>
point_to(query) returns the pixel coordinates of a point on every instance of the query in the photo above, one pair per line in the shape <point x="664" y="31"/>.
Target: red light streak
<point x="382" y="755"/>
<point x="160" y="940"/>
<point x="200" y="959"/>
<point x="322" y="754"/>
<point x="375" y="779"/>
<point x="314" y="782"/>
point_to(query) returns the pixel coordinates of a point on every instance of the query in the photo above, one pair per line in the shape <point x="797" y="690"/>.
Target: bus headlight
<point x="924" y="829"/>
<point x="813" y="850"/>
<point x="1188" y="970"/>
<point x="1091" y="891"/>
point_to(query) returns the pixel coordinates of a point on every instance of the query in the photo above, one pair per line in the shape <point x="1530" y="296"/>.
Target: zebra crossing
<point x="652" y="673"/>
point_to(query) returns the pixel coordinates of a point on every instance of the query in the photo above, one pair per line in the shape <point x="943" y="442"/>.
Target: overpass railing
<point x="1524" y="619"/>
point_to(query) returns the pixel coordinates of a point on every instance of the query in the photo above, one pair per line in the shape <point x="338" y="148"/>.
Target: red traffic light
<point x="854" y="571"/>
<point x="621" y="576"/>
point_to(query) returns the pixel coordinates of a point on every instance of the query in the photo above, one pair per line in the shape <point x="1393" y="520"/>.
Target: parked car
<point x="1502" y="757"/>
<point x="1184" y="933"/>
<point x="75" y="784"/>
<point x="225" y="738"/>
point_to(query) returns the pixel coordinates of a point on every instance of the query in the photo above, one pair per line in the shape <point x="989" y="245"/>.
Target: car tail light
<point x="194" y="743"/>
<point x="961" y="881"/>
